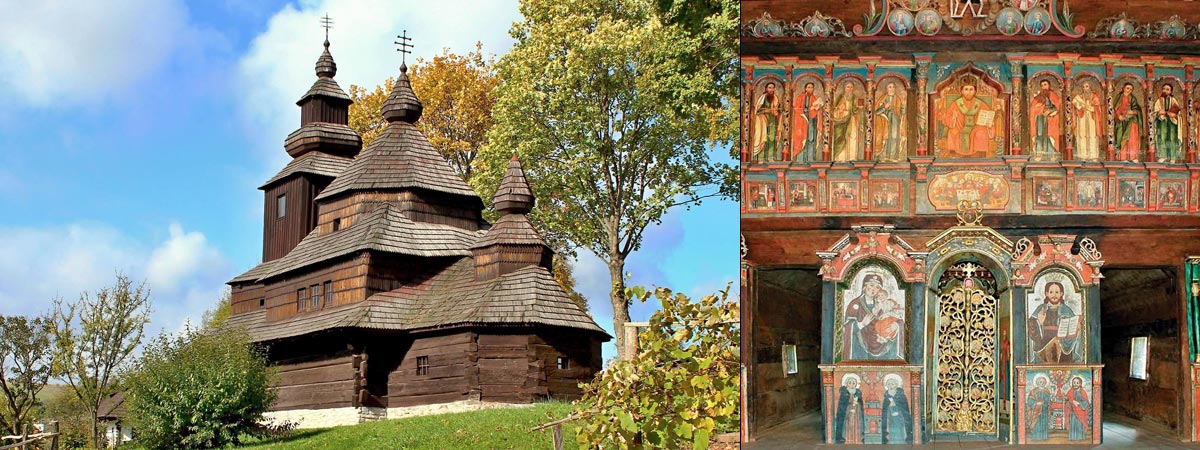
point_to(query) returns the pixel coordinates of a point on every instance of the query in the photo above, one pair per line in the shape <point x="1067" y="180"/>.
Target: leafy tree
<point x="95" y="337"/>
<point x="26" y="358"/>
<point x="716" y="25"/>
<point x="564" y="274"/>
<point x="602" y="101"/>
<point x="214" y="317"/>
<point x="456" y="92"/>
<point x="366" y="116"/>
<point x="199" y="390"/>
<point x="680" y="388"/>
<point x="73" y="422"/>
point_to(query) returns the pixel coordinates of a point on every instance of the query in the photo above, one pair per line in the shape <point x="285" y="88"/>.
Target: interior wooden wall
<point x="1141" y="302"/>
<point x="787" y="311"/>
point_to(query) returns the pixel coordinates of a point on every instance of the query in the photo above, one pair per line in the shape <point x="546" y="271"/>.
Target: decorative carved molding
<point x="867" y="242"/>
<point x="1124" y="27"/>
<point x="815" y="26"/>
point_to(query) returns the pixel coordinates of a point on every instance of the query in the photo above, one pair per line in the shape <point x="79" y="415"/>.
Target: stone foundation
<point x="334" y="417"/>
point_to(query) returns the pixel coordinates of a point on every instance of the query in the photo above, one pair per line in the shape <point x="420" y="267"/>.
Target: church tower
<point x="321" y="148"/>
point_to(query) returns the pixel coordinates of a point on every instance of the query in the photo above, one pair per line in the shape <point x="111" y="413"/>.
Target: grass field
<point x="486" y="429"/>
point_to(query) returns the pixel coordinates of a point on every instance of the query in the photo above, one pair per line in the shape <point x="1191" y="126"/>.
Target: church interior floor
<point x="1119" y="433"/>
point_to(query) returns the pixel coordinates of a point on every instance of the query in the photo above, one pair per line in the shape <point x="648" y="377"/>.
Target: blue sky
<point x="134" y="140"/>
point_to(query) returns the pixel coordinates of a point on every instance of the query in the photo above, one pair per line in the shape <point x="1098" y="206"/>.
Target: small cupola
<point x="512" y="242"/>
<point x="324" y="115"/>
<point x="402" y="104"/>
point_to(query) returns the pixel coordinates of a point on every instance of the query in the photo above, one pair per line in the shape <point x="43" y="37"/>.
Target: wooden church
<point x="383" y="290"/>
<point x="970" y="220"/>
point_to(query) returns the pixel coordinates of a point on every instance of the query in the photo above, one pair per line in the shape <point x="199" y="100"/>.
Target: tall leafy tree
<point x="604" y="102"/>
<point x="457" y="94"/>
<point x="95" y="338"/>
<point x="26" y="358"/>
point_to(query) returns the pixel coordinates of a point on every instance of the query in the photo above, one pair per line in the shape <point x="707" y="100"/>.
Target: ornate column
<point x="1190" y="102"/>
<point x="869" y="148"/>
<point x="1015" y="105"/>
<point x="1151" y="128"/>
<point x="1108" y="100"/>
<point x="785" y="116"/>
<point x="781" y="199"/>
<point x="747" y="105"/>
<point x="826" y="114"/>
<point x="923" y="60"/>
<point x="1068" y="147"/>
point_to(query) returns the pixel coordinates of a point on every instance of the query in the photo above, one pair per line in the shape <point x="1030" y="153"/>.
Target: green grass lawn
<point x="487" y="429"/>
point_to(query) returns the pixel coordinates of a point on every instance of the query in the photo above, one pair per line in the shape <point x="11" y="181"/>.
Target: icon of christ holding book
<point x="968" y="123"/>
<point x="1053" y="329"/>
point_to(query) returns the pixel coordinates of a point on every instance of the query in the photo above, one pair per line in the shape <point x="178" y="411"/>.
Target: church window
<point x="1137" y="358"/>
<point x="328" y="289"/>
<point x="337" y="224"/>
<point x="300" y="298"/>
<point x="281" y="206"/>
<point x="422" y="365"/>
<point x="564" y="363"/>
<point x="262" y="302"/>
<point x="315" y="291"/>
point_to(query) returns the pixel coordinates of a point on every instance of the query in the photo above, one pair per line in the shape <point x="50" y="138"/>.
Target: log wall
<point x="349" y="283"/>
<point x="452" y="375"/>
<point x="787" y="311"/>
<point x="281" y="234"/>
<point x="1147" y="306"/>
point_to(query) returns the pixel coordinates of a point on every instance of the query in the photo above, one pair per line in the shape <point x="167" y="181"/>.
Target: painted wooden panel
<point x="872" y="404"/>
<point x="1059" y="404"/>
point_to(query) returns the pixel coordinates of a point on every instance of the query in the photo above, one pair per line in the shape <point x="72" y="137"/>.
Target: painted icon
<point x="1009" y="21"/>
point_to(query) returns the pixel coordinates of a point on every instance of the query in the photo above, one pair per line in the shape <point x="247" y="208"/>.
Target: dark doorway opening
<point x="1140" y="310"/>
<point x="787" y="312"/>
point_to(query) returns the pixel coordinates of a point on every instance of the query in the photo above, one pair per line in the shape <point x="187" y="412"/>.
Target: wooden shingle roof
<point x="514" y="194"/>
<point x="401" y="158"/>
<point x="384" y="229"/>
<point x="316" y="163"/>
<point x="326" y="87"/>
<point x="511" y="229"/>
<point x="528" y="296"/>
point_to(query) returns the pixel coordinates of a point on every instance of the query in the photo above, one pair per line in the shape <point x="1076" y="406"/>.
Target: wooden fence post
<point x="25" y="437"/>
<point x="558" y="437"/>
<point x="54" y="439"/>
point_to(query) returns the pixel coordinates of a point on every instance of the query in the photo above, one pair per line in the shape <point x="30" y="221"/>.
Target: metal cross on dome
<point x="404" y="46"/>
<point x="326" y="23"/>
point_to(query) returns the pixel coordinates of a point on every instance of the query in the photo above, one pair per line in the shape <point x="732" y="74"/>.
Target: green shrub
<point x="680" y="389"/>
<point x="198" y="390"/>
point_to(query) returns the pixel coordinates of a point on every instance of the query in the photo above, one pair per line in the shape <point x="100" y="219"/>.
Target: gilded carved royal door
<point x="965" y="352"/>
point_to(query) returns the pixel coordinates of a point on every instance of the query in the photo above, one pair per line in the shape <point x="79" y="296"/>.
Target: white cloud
<point x="58" y="51"/>
<point x="278" y="68"/>
<point x="181" y="256"/>
<point x="185" y="274"/>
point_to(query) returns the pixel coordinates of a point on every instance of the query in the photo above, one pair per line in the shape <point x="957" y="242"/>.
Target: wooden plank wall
<point x="245" y="298"/>
<point x="582" y="351"/>
<point x="324" y="383"/>
<point x="420" y="206"/>
<point x="506" y="368"/>
<point x="1142" y="302"/>
<point x="349" y="277"/>
<point x="387" y="272"/>
<point x="281" y="234"/>
<point x="788" y="314"/>
<point x="452" y="375"/>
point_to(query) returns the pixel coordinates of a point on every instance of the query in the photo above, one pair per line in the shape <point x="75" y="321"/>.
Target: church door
<point x="965" y="352"/>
